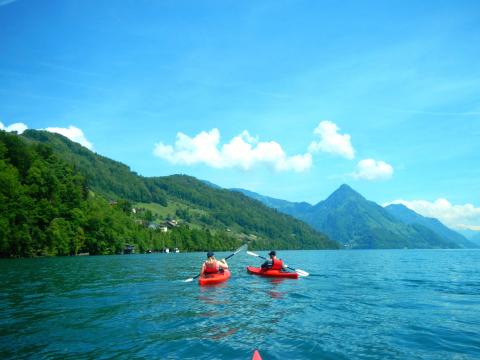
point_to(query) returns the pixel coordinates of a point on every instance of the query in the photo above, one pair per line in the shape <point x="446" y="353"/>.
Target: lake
<point x="372" y="304"/>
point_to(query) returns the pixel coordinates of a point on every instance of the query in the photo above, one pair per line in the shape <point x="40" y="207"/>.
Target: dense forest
<point x="58" y="198"/>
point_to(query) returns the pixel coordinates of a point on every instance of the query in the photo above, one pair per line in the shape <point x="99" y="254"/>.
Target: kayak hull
<point x="272" y="273"/>
<point x="212" y="279"/>
<point x="256" y="355"/>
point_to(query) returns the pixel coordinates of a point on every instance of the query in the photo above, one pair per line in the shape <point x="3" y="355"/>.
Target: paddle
<point x="298" y="271"/>
<point x="241" y="248"/>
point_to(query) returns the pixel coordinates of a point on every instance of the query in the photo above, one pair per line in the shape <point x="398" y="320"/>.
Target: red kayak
<point x="211" y="279"/>
<point x="272" y="273"/>
<point x="256" y="355"/>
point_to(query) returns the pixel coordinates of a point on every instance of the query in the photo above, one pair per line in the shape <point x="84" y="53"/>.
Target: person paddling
<point x="212" y="265"/>
<point x="273" y="263"/>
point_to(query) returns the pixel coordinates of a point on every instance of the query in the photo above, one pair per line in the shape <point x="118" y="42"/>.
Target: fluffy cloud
<point x="456" y="216"/>
<point x="243" y="151"/>
<point x="18" y="127"/>
<point x="370" y="169"/>
<point x="331" y="141"/>
<point x="73" y="133"/>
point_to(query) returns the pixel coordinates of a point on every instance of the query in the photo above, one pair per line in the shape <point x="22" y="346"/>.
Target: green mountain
<point x="349" y="218"/>
<point x="408" y="216"/>
<point x="114" y="206"/>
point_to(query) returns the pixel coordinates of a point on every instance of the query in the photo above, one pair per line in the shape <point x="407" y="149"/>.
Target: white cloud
<point x="18" y="127"/>
<point x="243" y="151"/>
<point x="331" y="141"/>
<point x="456" y="216"/>
<point x="73" y="133"/>
<point x="370" y="169"/>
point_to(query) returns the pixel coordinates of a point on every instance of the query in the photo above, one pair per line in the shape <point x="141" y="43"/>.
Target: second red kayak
<point x="212" y="279"/>
<point x="272" y="273"/>
<point x="256" y="355"/>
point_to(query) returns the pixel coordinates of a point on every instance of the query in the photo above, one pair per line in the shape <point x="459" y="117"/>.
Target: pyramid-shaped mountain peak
<point x="343" y="193"/>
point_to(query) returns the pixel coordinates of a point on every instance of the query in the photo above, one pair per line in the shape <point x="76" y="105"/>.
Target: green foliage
<point x="202" y="205"/>
<point x="223" y="209"/>
<point x="58" y="198"/>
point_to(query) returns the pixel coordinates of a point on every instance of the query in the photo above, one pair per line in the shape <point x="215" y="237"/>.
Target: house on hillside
<point x="171" y="223"/>
<point x="129" y="249"/>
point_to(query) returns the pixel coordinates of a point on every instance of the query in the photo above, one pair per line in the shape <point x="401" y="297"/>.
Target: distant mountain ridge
<point x="294" y="209"/>
<point x="476" y="239"/>
<point x="347" y="217"/>
<point x="409" y="216"/>
<point x="471" y="235"/>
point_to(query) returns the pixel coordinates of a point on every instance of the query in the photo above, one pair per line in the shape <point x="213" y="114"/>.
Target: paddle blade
<point x="301" y="272"/>
<point x="242" y="248"/>
<point x="252" y="254"/>
<point x="188" y="280"/>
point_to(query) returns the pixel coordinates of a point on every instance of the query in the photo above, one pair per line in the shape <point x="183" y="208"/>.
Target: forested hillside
<point x="58" y="198"/>
<point x="47" y="209"/>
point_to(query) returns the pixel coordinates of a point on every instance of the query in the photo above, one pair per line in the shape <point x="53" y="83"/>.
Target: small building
<point x="171" y="223"/>
<point x="129" y="249"/>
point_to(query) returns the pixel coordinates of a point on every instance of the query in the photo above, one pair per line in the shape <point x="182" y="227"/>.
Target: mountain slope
<point x="295" y="209"/>
<point x="348" y="217"/>
<point x="47" y="209"/>
<point x="408" y="216"/>
<point x="197" y="203"/>
<point x="476" y="239"/>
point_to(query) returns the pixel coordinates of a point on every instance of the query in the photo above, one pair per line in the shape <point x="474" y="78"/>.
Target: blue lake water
<point x="378" y="304"/>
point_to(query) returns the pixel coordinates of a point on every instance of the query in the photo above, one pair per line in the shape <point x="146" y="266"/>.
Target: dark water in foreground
<point x="403" y="304"/>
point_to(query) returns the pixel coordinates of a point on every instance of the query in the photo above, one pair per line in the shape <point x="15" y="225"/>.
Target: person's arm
<point x="223" y="264"/>
<point x="202" y="269"/>
<point x="267" y="264"/>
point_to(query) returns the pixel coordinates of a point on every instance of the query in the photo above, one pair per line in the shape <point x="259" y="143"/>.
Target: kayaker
<point x="273" y="263"/>
<point x="212" y="265"/>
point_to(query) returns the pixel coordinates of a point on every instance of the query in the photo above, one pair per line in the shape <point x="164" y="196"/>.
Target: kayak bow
<point x="256" y="355"/>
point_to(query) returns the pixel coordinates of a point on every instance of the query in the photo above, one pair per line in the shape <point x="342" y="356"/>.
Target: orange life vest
<point x="211" y="267"/>
<point x="277" y="264"/>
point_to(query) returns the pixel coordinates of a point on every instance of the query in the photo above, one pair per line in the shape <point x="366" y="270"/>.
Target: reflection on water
<point x="356" y="304"/>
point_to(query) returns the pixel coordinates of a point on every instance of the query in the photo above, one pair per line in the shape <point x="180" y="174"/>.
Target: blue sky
<point x="393" y="89"/>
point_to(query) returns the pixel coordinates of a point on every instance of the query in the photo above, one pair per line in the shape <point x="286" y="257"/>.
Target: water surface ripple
<point x="379" y="304"/>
